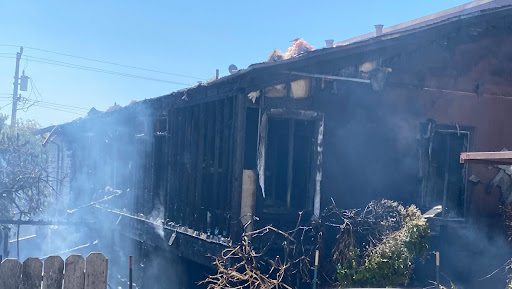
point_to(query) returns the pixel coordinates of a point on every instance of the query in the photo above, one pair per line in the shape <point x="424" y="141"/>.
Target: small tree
<point x="25" y="182"/>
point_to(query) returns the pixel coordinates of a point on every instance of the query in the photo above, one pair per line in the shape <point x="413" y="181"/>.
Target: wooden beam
<point x="172" y="143"/>
<point x="208" y="165"/>
<point x="223" y="192"/>
<point x="180" y="135"/>
<point x="238" y="167"/>
<point x="218" y="123"/>
<point x="333" y="77"/>
<point x="199" y="212"/>
<point x="289" y="179"/>
<point x="192" y="177"/>
<point x="504" y="158"/>
<point x="318" y="146"/>
<point x="185" y="164"/>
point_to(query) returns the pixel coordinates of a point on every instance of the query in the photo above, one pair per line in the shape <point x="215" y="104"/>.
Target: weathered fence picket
<point x="31" y="272"/>
<point x="10" y="274"/>
<point x="96" y="271"/>
<point x="53" y="272"/>
<point x="75" y="273"/>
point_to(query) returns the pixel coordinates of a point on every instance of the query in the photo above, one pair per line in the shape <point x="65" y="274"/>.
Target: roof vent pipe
<point x="378" y="29"/>
<point x="329" y="43"/>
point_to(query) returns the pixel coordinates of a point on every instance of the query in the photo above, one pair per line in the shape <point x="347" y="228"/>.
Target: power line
<point x="10" y="102"/>
<point x="114" y="63"/>
<point x="34" y="86"/>
<point x="64" y="106"/>
<point x="88" y="68"/>
<point x="58" y="109"/>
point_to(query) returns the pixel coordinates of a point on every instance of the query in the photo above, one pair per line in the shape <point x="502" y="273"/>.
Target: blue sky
<point x="190" y="38"/>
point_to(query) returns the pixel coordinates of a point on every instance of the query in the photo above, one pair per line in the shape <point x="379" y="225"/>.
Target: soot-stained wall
<point x="371" y="139"/>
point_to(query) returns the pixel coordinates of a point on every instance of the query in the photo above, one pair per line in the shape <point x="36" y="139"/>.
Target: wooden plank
<point x="317" y="177"/>
<point x="53" y="272"/>
<point x="32" y="272"/>
<point x="208" y="164"/>
<point x="295" y="114"/>
<point x="96" y="270"/>
<point x="289" y="177"/>
<point x="74" y="274"/>
<point x="218" y="119"/>
<point x="192" y="177"/>
<point x="181" y="135"/>
<point x="504" y="157"/>
<point x="163" y="182"/>
<point x="10" y="274"/>
<point x="171" y="165"/>
<point x="238" y="166"/>
<point x="446" y="174"/>
<point x="223" y="192"/>
<point x="185" y="154"/>
<point x="200" y="212"/>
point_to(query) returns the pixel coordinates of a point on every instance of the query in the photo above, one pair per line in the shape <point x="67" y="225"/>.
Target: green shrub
<point x="388" y="262"/>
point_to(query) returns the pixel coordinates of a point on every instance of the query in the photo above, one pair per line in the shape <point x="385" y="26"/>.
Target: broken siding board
<point x="238" y="164"/>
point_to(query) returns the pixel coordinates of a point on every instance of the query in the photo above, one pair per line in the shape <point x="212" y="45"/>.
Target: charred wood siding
<point x="201" y="144"/>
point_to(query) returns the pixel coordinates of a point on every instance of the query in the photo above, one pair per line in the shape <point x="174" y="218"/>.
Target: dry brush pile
<point x="374" y="246"/>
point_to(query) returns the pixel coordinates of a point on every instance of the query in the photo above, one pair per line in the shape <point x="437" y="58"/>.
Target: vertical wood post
<point x="236" y="194"/>
<point x="289" y="177"/>
<point x="200" y="212"/>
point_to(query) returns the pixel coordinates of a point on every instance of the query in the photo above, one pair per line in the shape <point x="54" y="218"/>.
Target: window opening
<point x="288" y="164"/>
<point x="445" y="180"/>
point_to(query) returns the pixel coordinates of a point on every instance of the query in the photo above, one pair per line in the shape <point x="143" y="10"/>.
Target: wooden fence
<point x="75" y="273"/>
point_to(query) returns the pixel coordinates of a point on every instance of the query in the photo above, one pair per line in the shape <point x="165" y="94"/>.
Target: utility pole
<point x="15" y="90"/>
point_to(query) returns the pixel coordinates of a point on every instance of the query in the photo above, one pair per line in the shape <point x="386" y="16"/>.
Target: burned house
<point x="384" y="115"/>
